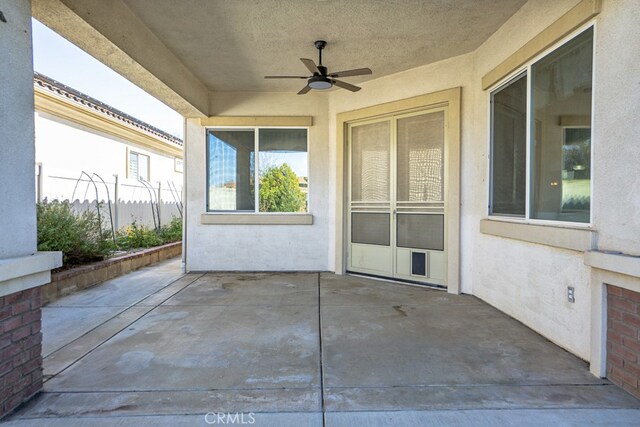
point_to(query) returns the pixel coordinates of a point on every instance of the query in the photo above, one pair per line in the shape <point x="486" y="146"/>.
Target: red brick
<point x="5" y="312"/>
<point x="614" y="360"/>
<point x="633" y="391"/>
<point x="35" y="353"/>
<point x="31" y="366"/>
<point x="11" y="323"/>
<point x="20" y="359"/>
<point x="5" y="367"/>
<point x="631" y="344"/>
<point x="628" y="378"/>
<point x="615" y="375"/>
<point x="623" y="305"/>
<point x="20" y="307"/>
<point x="36" y="301"/>
<point x="31" y="316"/>
<point x="5" y="340"/>
<point x="631" y="319"/>
<point x="36" y="377"/>
<point x="632" y="368"/>
<point x="31" y="341"/>
<point x="614" y="290"/>
<point x="633" y="296"/>
<point x="11" y="404"/>
<point x="35" y="327"/>
<point x="613" y="313"/>
<point x="33" y="389"/>
<point x="11" y="377"/>
<point x="624" y="352"/>
<point x="13" y="298"/>
<point x="624" y="329"/>
<point x="5" y="393"/>
<point x="21" y="333"/>
<point x="18" y="388"/>
<point x="9" y="352"/>
<point x="614" y="336"/>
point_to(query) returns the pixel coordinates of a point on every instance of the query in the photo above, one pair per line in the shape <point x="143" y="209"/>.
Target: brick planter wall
<point x="20" y="347"/>
<point x="69" y="281"/>
<point x="623" y="338"/>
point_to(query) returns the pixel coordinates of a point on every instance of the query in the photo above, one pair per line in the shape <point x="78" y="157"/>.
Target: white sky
<point x="61" y="60"/>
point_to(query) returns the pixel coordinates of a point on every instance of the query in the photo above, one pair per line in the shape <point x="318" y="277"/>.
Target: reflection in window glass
<point x="231" y="170"/>
<point x="283" y="170"/>
<point x="281" y="166"/>
<point x="561" y="134"/>
<point x="508" y="149"/>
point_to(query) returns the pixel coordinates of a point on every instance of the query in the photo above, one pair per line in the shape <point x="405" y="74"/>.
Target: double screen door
<point x="396" y="203"/>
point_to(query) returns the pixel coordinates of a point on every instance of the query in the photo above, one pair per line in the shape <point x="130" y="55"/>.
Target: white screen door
<point x="396" y="219"/>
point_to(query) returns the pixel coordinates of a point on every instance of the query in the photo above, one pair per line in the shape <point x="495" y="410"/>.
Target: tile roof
<point x="77" y="97"/>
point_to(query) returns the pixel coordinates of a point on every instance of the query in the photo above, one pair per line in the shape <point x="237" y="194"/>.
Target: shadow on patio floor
<point x="156" y="347"/>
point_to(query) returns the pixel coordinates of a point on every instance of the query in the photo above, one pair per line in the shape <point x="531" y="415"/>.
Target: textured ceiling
<point x="231" y="44"/>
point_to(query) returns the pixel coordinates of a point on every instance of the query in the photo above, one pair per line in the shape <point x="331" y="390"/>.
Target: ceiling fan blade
<point x="304" y="90"/>
<point x="285" y="77"/>
<point x="346" y="86"/>
<point x="311" y="66"/>
<point x="350" y="73"/>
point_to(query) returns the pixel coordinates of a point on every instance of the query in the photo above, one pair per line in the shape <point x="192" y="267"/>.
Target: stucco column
<point x="22" y="268"/>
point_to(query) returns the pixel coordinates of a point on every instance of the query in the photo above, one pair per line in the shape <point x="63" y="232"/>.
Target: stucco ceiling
<point x="231" y="44"/>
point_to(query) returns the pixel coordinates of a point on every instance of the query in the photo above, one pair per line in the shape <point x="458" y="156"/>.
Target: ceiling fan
<point x="321" y="78"/>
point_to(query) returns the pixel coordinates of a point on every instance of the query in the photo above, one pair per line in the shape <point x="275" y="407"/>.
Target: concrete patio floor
<point x="157" y="347"/>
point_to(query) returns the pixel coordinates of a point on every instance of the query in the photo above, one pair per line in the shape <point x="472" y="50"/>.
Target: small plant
<point x="78" y="236"/>
<point x="140" y="236"/>
<point x="173" y="231"/>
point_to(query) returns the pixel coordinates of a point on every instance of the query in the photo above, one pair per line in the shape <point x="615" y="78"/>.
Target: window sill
<point x="564" y="237"/>
<point x="615" y="262"/>
<point x="256" y="219"/>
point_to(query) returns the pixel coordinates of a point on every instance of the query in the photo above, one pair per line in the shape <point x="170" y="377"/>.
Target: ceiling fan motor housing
<point x="320" y="82"/>
<point x="321" y="79"/>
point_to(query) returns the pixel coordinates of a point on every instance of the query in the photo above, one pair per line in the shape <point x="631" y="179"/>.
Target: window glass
<point x="508" y="149"/>
<point x="561" y="133"/>
<point x="283" y="170"/>
<point x="554" y="158"/>
<point x="281" y="166"/>
<point x="138" y="166"/>
<point x="231" y="170"/>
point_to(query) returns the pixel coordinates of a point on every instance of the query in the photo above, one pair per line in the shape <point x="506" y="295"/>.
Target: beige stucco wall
<point x="260" y="247"/>
<point x="616" y="130"/>
<point x="17" y="189"/>
<point x="525" y="280"/>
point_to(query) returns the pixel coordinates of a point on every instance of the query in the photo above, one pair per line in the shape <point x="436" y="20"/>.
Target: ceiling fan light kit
<point x="321" y="79"/>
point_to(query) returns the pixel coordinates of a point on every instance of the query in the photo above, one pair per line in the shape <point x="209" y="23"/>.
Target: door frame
<point x="449" y="98"/>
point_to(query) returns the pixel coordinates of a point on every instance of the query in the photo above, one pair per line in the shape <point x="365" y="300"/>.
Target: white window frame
<point x="526" y="69"/>
<point x="138" y="154"/>
<point x="256" y="142"/>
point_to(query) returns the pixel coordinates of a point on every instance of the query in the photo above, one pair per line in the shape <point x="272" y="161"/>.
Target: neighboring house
<point x="493" y="152"/>
<point x="79" y="138"/>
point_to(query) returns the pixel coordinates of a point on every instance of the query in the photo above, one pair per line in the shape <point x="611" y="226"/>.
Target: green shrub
<point x="138" y="236"/>
<point x="78" y="236"/>
<point x="280" y="191"/>
<point x="173" y="231"/>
